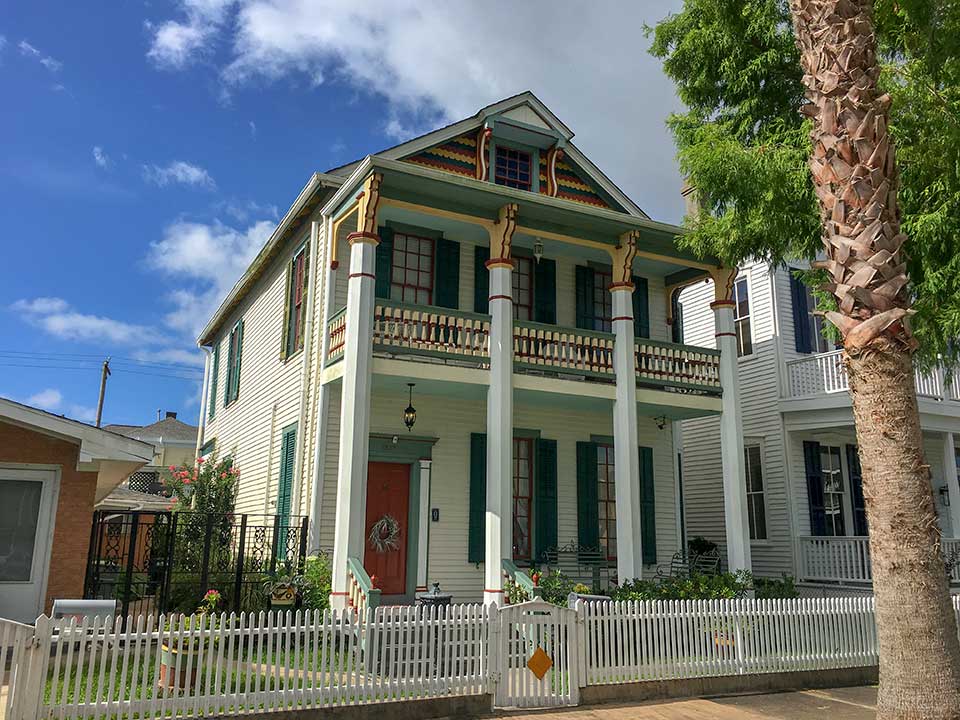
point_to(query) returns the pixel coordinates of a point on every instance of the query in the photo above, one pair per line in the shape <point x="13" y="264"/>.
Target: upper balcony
<point x="823" y="376"/>
<point x="458" y="338"/>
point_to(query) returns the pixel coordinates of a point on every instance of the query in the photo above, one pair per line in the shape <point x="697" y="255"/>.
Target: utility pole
<point x="104" y="373"/>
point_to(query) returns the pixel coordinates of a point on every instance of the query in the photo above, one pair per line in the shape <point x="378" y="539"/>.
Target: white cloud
<point x="100" y="157"/>
<point x="48" y="399"/>
<point x="40" y="305"/>
<point x="210" y="257"/>
<point x="28" y="50"/>
<point x="175" y="356"/>
<point x="56" y="317"/>
<point x="180" y="172"/>
<point x="81" y="413"/>
<point x="176" y="43"/>
<point x="253" y="129"/>
<point x="435" y="61"/>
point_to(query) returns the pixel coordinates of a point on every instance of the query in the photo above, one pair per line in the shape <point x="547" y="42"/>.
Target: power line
<point x="193" y="378"/>
<point x="80" y="358"/>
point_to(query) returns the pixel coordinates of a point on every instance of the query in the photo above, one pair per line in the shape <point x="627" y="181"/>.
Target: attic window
<point x="513" y="168"/>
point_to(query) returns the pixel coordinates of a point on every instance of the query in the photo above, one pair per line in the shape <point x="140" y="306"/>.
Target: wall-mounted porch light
<point x="661" y="421"/>
<point x="538" y="249"/>
<point x="410" y="413"/>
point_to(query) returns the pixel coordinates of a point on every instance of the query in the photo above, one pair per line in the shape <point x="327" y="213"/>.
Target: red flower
<point x="174" y="500"/>
<point x="223" y="476"/>
<point x="187" y="481"/>
<point x="172" y="468"/>
<point x="199" y="461"/>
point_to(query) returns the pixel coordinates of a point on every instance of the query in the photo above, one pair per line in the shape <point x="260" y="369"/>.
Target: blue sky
<point x="149" y="147"/>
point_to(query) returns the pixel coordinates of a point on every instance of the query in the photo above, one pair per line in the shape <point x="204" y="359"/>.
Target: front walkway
<point x="856" y="703"/>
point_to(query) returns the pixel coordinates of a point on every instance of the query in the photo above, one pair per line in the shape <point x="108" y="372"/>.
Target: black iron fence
<point x="166" y="562"/>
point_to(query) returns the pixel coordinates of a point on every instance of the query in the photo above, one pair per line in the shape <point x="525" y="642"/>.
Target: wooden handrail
<point x="363" y="595"/>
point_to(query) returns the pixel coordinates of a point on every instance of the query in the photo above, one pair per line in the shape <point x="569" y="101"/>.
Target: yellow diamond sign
<point x="539" y="663"/>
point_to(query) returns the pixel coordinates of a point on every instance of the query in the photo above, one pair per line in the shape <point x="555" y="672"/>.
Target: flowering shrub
<point x="210" y="603"/>
<point x="210" y="486"/>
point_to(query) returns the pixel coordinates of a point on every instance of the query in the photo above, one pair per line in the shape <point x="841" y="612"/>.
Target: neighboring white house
<point x="804" y="495"/>
<point x="489" y="274"/>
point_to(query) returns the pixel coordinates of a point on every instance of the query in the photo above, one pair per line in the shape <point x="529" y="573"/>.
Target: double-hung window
<point x="411" y="279"/>
<point x="607" y="501"/>
<point x="522" y="497"/>
<point x="513" y="168"/>
<point x="756" y="510"/>
<point x="741" y="317"/>
<point x="296" y="303"/>
<point x="602" y="300"/>
<point x="833" y="490"/>
<point x="522" y="278"/>
<point x="817" y="340"/>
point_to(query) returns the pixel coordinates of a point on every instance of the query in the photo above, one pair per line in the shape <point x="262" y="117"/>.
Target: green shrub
<point x="696" y="587"/>
<point x="783" y="587"/>
<point x="317" y="582"/>
<point x="554" y="588"/>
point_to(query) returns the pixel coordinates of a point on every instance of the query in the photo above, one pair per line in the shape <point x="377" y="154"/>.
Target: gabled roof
<point x="522" y="100"/>
<point x="168" y="430"/>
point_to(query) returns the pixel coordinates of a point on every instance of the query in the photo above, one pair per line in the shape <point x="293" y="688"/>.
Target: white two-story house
<point x="455" y="357"/>
<point x="804" y="492"/>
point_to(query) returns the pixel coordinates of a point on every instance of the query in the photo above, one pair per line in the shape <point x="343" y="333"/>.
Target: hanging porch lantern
<point x="538" y="249"/>
<point x="410" y="413"/>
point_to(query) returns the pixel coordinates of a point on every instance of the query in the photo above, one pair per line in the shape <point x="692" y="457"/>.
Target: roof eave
<point x="316" y="182"/>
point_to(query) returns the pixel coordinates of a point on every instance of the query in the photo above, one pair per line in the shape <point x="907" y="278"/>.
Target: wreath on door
<point x="385" y="534"/>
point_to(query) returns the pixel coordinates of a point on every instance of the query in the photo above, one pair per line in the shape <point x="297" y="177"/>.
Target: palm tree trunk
<point x="855" y="177"/>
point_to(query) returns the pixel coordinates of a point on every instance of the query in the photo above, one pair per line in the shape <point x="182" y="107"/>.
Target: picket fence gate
<point x="534" y="654"/>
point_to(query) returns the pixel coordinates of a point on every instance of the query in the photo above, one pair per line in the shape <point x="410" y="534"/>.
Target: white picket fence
<point x="65" y="670"/>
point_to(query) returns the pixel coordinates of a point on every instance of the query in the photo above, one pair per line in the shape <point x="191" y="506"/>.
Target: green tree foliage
<point x="744" y="143"/>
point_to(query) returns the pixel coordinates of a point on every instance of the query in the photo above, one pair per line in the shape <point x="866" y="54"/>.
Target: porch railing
<point x="824" y="374"/>
<point x="847" y="559"/>
<point x="361" y="593"/>
<point x="425" y="330"/>
<point x="336" y="335"/>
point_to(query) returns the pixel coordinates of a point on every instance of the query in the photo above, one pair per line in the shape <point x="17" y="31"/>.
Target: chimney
<point x="690" y="198"/>
<point x="171" y="415"/>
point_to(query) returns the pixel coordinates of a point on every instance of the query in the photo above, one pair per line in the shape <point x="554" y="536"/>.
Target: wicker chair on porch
<point x="681" y="565"/>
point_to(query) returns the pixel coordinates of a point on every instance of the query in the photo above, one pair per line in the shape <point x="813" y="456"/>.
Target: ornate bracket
<point x="554" y="155"/>
<point x="483" y="143"/>
<point x="723" y="279"/>
<point x="368" y="201"/>
<point x="623" y="254"/>
<point x="501" y="234"/>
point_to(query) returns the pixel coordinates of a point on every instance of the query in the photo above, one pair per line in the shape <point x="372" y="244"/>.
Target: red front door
<point x="388" y="500"/>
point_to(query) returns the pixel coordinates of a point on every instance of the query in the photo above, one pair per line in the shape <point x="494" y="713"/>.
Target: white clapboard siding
<point x="759" y="393"/>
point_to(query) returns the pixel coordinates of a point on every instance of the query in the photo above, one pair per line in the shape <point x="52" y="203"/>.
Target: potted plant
<point x="183" y="647"/>
<point x="283" y="588"/>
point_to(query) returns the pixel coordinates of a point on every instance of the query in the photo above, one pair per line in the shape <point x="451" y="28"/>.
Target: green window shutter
<point x="856" y="491"/>
<point x="288" y="445"/>
<point x="676" y="330"/>
<point x="239" y="360"/>
<point x="641" y="308"/>
<point x="228" y="390"/>
<point x="584" y="297"/>
<point x="545" y="291"/>
<point x="476" y="538"/>
<point x="384" y="263"/>
<point x="214" y="377"/>
<point x="588" y="515"/>
<point x="447" y="281"/>
<point x="815" y="500"/>
<point x="481" y="279"/>
<point x="285" y="350"/>
<point x="648" y="507"/>
<point x="545" y="498"/>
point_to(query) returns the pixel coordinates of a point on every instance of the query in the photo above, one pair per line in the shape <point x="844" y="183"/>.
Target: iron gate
<point x="165" y="562"/>
<point x="537" y="654"/>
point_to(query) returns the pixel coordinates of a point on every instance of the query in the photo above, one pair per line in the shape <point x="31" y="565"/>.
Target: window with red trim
<point x="522" y="277"/>
<point x="412" y="276"/>
<point x="607" y="499"/>
<point x="513" y="168"/>
<point x="602" y="301"/>
<point x="522" y="496"/>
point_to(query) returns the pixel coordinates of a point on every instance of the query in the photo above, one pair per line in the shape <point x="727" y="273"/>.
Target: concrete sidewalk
<point x="856" y="703"/>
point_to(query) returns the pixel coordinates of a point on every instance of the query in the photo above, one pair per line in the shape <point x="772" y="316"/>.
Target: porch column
<point x="950" y="478"/>
<point x="731" y="425"/>
<point x="499" y="529"/>
<point x="625" y="447"/>
<point x="423" y="537"/>
<point x="348" y="538"/>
